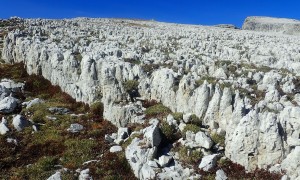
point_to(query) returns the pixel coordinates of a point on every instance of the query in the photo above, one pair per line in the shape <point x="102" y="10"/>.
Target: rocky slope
<point x="240" y="83"/>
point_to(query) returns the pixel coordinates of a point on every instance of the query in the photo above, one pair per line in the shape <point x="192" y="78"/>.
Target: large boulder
<point x="8" y="105"/>
<point x="152" y="135"/>
<point x="270" y="24"/>
<point x="12" y="86"/>
<point x="20" y="122"/>
<point x="208" y="162"/>
<point x="203" y="140"/>
<point x="138" y="156"/>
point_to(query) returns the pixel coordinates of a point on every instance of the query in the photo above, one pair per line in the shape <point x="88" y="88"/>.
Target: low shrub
<point x="190" y="127"/>
<point x="195" y="120"/>
<point x="149" y="103"/>
<point x="97" y="109"/>
<point x="218" y="139"/>
<point x="177" y="116"/>
<point x="157" y="110"/>
<point x="149" y="68"/>
<point x="39" y="116"/>
<point x="189" y="156"/>
<point x="130" y="85"/>
<point x="169" y="132"/>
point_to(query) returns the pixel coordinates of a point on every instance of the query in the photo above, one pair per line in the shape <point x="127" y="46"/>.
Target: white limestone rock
<point x="254" y="137"/>
<point x="164" y="160"/>
<point x="108" y="138"/>
<point x="181" y="126"/>
<point x="208" y="162"/>
<point x="220" y="74"/>
<point x="152" y="135"/>
<point x="123" y="133"/>
<point x="292" y="163"/>
<point x="8" y="105"/>
<point x="138" y="157"/>
<point x="220" y="175"/>
<point x="20" y="122"/>
<point x="187" y="117"/>
<point x="56" y="176"/>
<point x="32" y="102"/>
<point x="203" y="140"/>
<point x="270" y="24"/>
<point x="75" y="128"/>
<point x="84" y="175"/>
<point x="3" y="126"/>
<point x="147" y="172"/>
<point x="114" y="149"/>
<point x="12" y="86"/>
<point x="4" y="92"/>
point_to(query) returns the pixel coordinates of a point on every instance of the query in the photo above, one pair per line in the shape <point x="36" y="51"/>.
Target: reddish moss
<point x="236" y="171"/>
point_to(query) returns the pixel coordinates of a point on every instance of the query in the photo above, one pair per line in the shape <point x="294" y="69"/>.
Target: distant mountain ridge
<point x="271" y="24"/>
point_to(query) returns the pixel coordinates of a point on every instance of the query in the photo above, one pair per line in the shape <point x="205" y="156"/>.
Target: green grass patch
<point x="209" y="79"/>
<point x="77" y="152"/>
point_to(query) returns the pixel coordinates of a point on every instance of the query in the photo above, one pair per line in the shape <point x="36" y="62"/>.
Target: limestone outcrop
<point x="240" y="82"/>
<point x="270" y="24"/>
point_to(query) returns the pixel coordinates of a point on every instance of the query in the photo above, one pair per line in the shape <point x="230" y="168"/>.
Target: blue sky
<point x="207" y="12"/>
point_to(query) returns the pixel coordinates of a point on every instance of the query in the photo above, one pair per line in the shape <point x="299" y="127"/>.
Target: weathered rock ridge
<point x="269" y="24"/>
<point x="241" y="82"/>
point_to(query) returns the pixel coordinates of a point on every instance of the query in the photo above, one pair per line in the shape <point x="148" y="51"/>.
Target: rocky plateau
<point x="188" y="100"/>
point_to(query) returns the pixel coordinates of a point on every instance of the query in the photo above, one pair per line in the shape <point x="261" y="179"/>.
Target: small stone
<point x="3" y="126"/>
<point x="187" y="117"/>
<point x="181" y="126"/>
<point x="123" y="133"/>
<point x="59" y="110"/>
<point x="164" y="160"/>
<point x="11" y="140"/>
<point x="51" y="118"/>
<point x="203" y="140"/>
<point x="85" y="175"/>
<point x="114" y="149"/>
<point x="35" y="128"/>
<point x="220" y="175"/>
<point x="75" y="128"/>
<point x="108" y="138"/>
